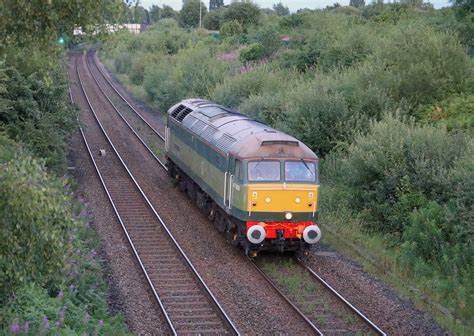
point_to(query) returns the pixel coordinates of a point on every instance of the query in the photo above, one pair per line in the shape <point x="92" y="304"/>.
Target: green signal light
<point x="61" y="40"/>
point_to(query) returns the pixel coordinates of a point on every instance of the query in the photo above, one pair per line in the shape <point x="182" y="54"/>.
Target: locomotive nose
<point x="312" y="234"/>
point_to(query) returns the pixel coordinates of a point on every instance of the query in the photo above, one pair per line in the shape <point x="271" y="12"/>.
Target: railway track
<point x="187" y="304"/>
<point x="325" y="310"/>
<point x="150" y="137"/>
<point x="322" y="318"/>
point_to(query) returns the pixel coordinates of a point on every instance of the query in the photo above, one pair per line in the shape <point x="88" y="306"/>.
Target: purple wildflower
<point x="101" y="323"/>
<point x="26" y="327"/>
<point x="87" y="318"/>
<point x="15" y="328"/>
<point x="45" y="323"/>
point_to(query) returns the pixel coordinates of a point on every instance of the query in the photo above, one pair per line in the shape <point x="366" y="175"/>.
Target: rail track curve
<point x="187" y="304"/>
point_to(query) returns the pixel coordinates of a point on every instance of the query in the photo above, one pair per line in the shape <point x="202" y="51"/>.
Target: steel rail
<point x="123" y="118"/>
<point x="125" y="100"/>
<point x="213" y="299"/>
<point x="286" y="298"/>
<point x="132" y="245"/>
<point x="341" y="298"/>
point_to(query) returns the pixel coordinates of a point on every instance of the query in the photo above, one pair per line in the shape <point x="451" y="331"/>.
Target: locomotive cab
<point x="280" y="200"/>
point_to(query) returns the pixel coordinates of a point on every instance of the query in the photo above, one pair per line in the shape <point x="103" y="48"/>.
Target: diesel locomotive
<point x="258" y="185"/>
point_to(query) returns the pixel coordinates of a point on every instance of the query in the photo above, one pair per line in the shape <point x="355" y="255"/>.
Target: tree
<point x="192" y="13"/>
<point x="42" y="22"/>
<point x="282" y="10"/>
<point x="245" y="13"/>
<point x="215" y="4"/>
<point x="155" y="13"/>
<point x="357" y="3"/>
<point x="168" y="12"/>
<point x="212" y="20"/>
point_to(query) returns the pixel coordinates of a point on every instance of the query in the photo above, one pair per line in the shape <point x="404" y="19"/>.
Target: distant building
<point x="134" y="28"/>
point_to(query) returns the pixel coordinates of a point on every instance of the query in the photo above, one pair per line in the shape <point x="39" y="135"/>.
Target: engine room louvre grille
<point x="225" y="142"/>
<point x="183" y="114"/>
<point x="209" y="132"/>
<point x="177" y="110"/>
<point x="189" y="121"/>
<point x="198" y="127"/>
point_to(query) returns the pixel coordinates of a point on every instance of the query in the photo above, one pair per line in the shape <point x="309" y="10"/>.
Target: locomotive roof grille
<point x="183" y="114"/>
<point x="177" y="110"/>
<point x="209" y="132"/>
<point x="198" y="126"/>
<point x="280" y="142"/>
<point x="225" y="142"/>
<point x="189" y="121"/>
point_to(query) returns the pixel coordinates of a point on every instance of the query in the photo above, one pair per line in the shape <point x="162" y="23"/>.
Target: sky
<point x="293" y="5"/>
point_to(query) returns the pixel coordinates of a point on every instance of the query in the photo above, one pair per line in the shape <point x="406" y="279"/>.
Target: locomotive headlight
<point x="268" y="200"/>
<point x="297" y="200"/>
<point x="288" y="215"/>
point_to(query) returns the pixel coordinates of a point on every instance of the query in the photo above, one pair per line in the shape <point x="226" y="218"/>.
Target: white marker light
<point x="288" y="215"/>
<point x="268" y="200"/>
<point x="297" y="200"/>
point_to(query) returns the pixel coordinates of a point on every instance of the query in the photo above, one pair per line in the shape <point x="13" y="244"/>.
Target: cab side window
<point x="238" y="171"/>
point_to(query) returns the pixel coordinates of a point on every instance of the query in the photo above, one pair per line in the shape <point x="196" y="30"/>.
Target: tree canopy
<point x="192" y="12"/>
<point x="37" y="21"/>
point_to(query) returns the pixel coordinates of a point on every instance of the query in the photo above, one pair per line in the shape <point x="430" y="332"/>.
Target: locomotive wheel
<point x="220" y="222"/>
<point x="191" y="188"/>
<point x="232" y="236"/>
<point x="182" y="184"/>
<point x="212" y="213"/>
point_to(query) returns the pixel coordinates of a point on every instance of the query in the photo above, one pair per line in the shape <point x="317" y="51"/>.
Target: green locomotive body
<point x="254" y="181"/>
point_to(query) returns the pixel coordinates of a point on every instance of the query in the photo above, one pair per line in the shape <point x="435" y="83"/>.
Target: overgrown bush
<point x="35" y="101"/>
<point x="35" y="220"/>
<point x="231" y="28"/>
<point x="421" y="65"/>
<point x="456" y="112"/>
<point x="399" y="167"/>
<point x="252" y="52"/>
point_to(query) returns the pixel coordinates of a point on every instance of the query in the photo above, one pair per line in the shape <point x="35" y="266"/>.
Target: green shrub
<point x="455" y="112"/>
<point x="267" y="107"/>
<point x="163" y="87"/>
<point x="234" y="90"/>
<point x="231" y="28"/>
<point x="252" y="52"/>
<point x="199" y="71"/>
<point x="397" y="167"/>
<point x="123" y="63"/>
<point x="269" y="38"/>
<point x="318" y="118"/>
<point x="38" y="113"/>
<point x="35" y="220"/>
<point x="441" y="67"/>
